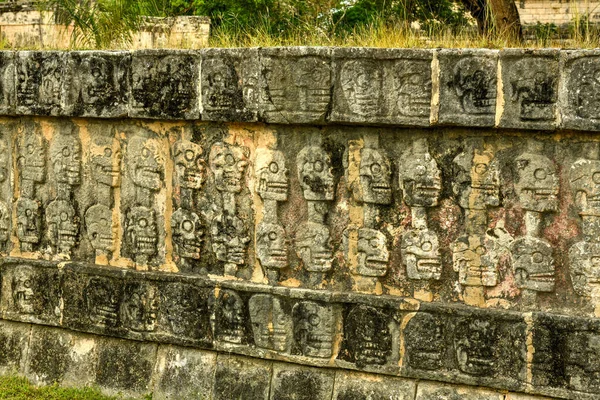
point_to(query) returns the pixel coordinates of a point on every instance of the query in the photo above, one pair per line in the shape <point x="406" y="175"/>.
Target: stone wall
<point x="409" y="214"/>
<point x="558" y="12"/>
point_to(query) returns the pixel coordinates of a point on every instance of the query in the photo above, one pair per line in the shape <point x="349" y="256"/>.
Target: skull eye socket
<point x="229" y="159"/>
<point x="30" y="149"/>
<point x="64" y="216"/>
<point x="27" y="283"/>
<point x="318" y="166"/>
<point x="145" y="152"/>
<point x="480" y="250"/>
<point x="189" y="155"/>
<point x="314" y="319"/>
<point x="66" y="152"/>
<point x="143" y="222"/>
<point x="375" y="168"/>
<point x="596" y="260"/>
<point x="107" y="152"/>
<point x="272" y="235"/>
<point x="374" y="243"/>
<point x="28" y="213"/>
<point x="273" y="167"/>
<point x="187" y="225"/>
<point x="596" y="177"/>
<point x="537" y="257"/>
<point x="540" y="174"/>
<point x="426" y="246"/>
<point x="420" y="170"/>
<point x="481" y="168"/>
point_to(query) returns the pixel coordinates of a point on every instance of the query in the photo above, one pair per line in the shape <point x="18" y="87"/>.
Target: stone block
<point x="99" y="84"/>
<point x="296" y="85"/>
<point x="241" y="378"/>
<point x="184" y="373"/>
<point x="7" y="78"/>
<point x="230" y="85"/>
<point x="468" y="87"/>
<point x="31" y="291"/>
<point x="382" y="86"/>
<point x="530" y="88"/>
<point x="438" y="391"/>
<point x="520" y="396"/>
<point x="125" y="366"/>
<point x="165" y="84"/>
<point x="357" y="386"/>
<point x="578" y="94"/>
<point x="14" y="346"/>
<point x="40" y="82"/>
<point x="292" y="382"/>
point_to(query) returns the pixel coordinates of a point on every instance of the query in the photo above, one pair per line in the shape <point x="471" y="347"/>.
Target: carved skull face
<point x="270" y="324"/>
<point x="102" y="302"/>
<point x="582" y="349"/>
<point x="369" y="338"/>
<point x="313" y="246"/>
<point x="105" y="161"/>
<point x="534" y="89"/>
<point x="145" y="162"/>
<point x="375" y="177"/>
<point x="65" y="153"/>
<point x="28" y="84"/>
<point x="477" y="183"/>
<point x="474" y="346"/>
<point x="51" y="85"/>
<point x="28" y="221"/>
<point x="141" y="230"/>
<point x="475" y="85"/>
<point x="584" y="265"/>
<point x="420" y="178"/>
<point x="414" y="92"/>
<point x="229" y="238"/>
<point x="473" y="259"/>
<point x="421" y="254"/>
<point x="314" y="329"/>
<point x="190" y="168"/>
<point x="228" y="164"/>
<point x="32" y="157"/>
<point x="23" y="289"/>
<point x="424" y="337"/>
<point x="139" y="308"/>
<point x="271" y="246"/>
<point x="373" y="255"/>
<point x="533" y="264"/>
<point x="362" y="86"/>
<point x="221" y="81"/>
<point x="585" y="182"/>
<point x="187" y="233"/>
<point x="185" y="309"/>
<point x="537" y="183"/>
<point x="97" y="81"/>
<point x="5" y="215"/>
<point x="228" y="318"/>
<point x="101" y="228"/>
<point x="271" y="175"/>
<point x="63" y="225"/>
<point x="314" y="173"/>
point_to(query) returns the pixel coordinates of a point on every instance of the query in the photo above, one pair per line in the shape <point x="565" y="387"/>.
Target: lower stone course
<point x="47" y="355"/>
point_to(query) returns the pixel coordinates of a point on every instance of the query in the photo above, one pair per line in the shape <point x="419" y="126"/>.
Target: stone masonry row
<point x="514" y="88"/>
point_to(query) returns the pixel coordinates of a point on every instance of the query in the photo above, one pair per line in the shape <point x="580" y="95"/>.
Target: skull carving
<point x="229" y="317"/>
<point x="424" y="337"/>
<point x="475" y="260"/>
<point x="474" y="344"/>
<point x="420" y="176"/>
<point x="105" y="160"/>
<point x="139" y="308"/>
<point x="362" y="86"/>
<point x="368" y="336"/>
<point x="186" y="311"/>
<point x="414" y="90"/>
<point x="28" y="81"/>
<point x="477" y="182"/>
<point x="314" y="329"/>
<point x="584" y="265"/>
<point x="534" y="89"/>
<point x="533" y="264"/>
<point x="421" y="254"/>
<point x="229" y="238"/>
<point x="29" y="223"/>
<point x="187" y="233"/>
<point x="314" y="173"/>
<point x="141" y="231"/>
<point x="51" y="81"/>
<point x="190" y="168"/>
<point x="373" y="255"/>
<point x="586" y="99"/>
<point x="65" y="153"/>
<point x="220" y="91"/>
<point x="97" y="77"/>
<point x="375" y="172"/>
<point x="271" y="175"/>
<point x="5" y="215"/>
<point x="32" y="155"/>
<point x="475" y="85"/>
<point x="313" y="246"/>
<point x="270" y="324"/>
<point x="23" y="289"/>
<point x="585" y="183"/>
<point x="102" y="302"/>
<point x="271" y="246"/>
<point x="101" y="228"/>
<point x="537" y="183"/>
<point x="145" y="162"/>
<point x="63" y="225"/>
<point x="582" y="351"/>
<point x="228" y="164"/>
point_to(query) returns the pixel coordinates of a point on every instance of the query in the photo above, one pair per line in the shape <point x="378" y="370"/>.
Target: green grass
<point x="17" y="388"/>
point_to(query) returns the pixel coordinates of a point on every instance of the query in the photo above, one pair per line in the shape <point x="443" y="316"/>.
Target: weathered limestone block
<point x="241" y="377"/>
<point x="301" y="383"/>
<point x="230" y="84"/>
<point x="435" y="391"/>
<point x="354" y="386"/>
<point x="468" y="87"/>
<point x="14" y="347"/>
<point x="382" y="86"/>
<point x="40" y="82"/>
<point x="530" y="88"/>
<point x="8" y="78"/>
<point x="165" y="84"/>
<point x="98" y="84"/>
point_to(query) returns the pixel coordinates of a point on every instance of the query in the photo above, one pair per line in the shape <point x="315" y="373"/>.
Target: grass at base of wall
<point x="18" y="388"/>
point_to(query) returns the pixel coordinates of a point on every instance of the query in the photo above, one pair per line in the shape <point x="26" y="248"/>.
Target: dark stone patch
<point x="230" y="320"/>
<point x="298" y="383"/>
<point x="426" y="342"/>
<point x="40" y="81"/>
<point x="238" y="378"/>
<point x="14" y="344"/>
<point x="48" y="359"/>
<point x="437" y="391"/>
<point x="356" y="386"/>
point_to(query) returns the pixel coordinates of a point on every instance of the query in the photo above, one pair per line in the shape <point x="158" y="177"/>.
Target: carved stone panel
<point x="29" y="223"/>
<point x="63" y="226"/>
<point x="40" y="82"/>
<point x="271" y="246"/>
<point x="313" y="247"/>
<point x="383" y="86"/>
<point x="7" y="87"/>
<point x="530" y="87"/>
<point x="138" y="311"/>
<point x="426" y="343"/>
<point x="99" y="84"/>
<point x="271" y="322"/>
<point x="420" y="176"/>
<point x="190" y="166"/>
<point x="229" y="317"/>
<point x="65" y="156"/>
<point x="468" y="89"/>
<point x="314" y="327"/>
<point x="141" y="233"/>
<point x="229" y="238"/>
<point x="533" y="264"/>
<point x="272" y="180"/>
<point x="421" y="254"/>
<point x="579" y="101"/>
<point x="228" y="164"/>
<point x="296" y="84"/>
<point x="536" y="182"/>
<point x="475" y="258"/>
<point x="187" y="232"/>
<point x="373" y="185"/>
<point x="101" y="228"/>
<point x="315" y="173"/>
<point x="164" y="84"/>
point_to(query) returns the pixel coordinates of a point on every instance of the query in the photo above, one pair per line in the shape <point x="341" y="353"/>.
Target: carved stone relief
<point x="39" y="83"/>
<point x="425" y="341"/>
<point x="270" y="323"/>
<point x="63" y="226"/>
<point x="474" y="343"/>
<point x="314" y="329"/>
<point x="139" y="309"/>
<point x="23" y="290"/>
<point x="141" y="233"/>
<point x="102" y="301"/>
<point x="368" y="335"/>
<point x="229" y="317"/>
<point x="184" y="308"/>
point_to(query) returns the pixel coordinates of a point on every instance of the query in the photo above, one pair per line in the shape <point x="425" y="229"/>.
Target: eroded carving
<point x="187" y="232"/>
<point x="421" y="254"/>
<point x="139" y="309"/>
<point x="101" y="228"/>
<point x="270" y="323"/>
<point x="186" y="311"/>
<point x="146" y="167"/>
<point x="374" y="183"/>
<point x="475" y="85"/>
<point x="141" y="233"/>
<point x="228" y="164"/>
<point x="368" y="336"/>
<point x="23" y="289"/>
<point x="425" y="340"/>
<point x="271" y="246"/>
<point x="63" y="226"/>
<point x="105" y="160"/>
<point x="229" y="238"/>
<point x="314" y="247"/>
<point x="39" y="82"/>
<point x="229" y="317"/>
<point x="412" y="80"/>
<point x="420" y="176"/>
<point x="585" y="100"/>
<point x="582" y="349"/>
<point x="102" y="301"/>
<point x="314" y="174"/>
<point x="534" y="89"/>
<point x="362" y="86"/>
<point x="29" y="223"/>
<point x="314" y="329"/>
<point x="190" y="167"/>
<point x="474" y="343"/>
<point x="271" y="175"/>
